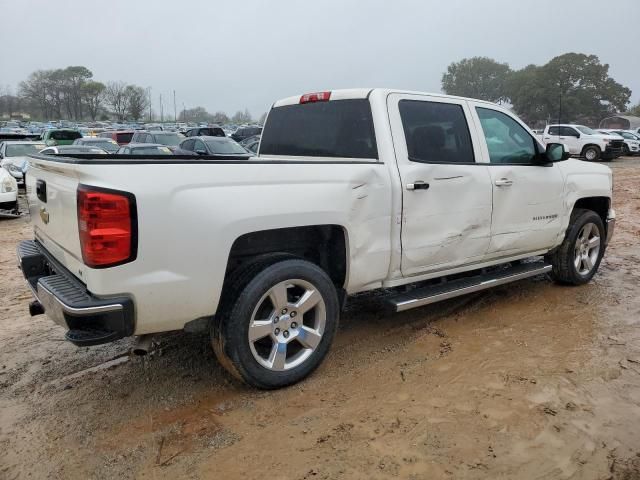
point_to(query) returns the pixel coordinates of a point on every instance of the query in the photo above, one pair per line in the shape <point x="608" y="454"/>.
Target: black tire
<point x="246" y="290"/>
<point x="625" y="150"/>
<point x="591" y="153"/>
<point x="563" y="259"/>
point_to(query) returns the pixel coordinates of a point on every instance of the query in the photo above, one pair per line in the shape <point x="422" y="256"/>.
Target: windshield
<point x="169" y="138"/>
<point x="225" y="146"/>
<point x="23" y="149"/>
<point x="586" y="130"/>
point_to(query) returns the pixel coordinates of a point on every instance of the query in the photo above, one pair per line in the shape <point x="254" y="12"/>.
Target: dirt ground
<point x="526" y="381"/>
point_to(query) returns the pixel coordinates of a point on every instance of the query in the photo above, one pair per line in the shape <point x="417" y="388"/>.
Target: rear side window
<point x="554" y="130"/>
<point x="124" y="137"/>
<point x="436" y="132"/>
<point x="337" y="129"/>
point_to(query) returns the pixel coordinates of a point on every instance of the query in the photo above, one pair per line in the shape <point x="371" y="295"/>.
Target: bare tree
<point x="136" y="100"/>
<point x="93" y="95"/>
<point x="116" y="98"/>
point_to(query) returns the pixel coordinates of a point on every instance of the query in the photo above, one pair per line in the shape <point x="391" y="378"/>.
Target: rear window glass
<point x="150" y="151"/>
<point x="124" y="137"/>
<point x="224" y="146"/>
<point x="23" y="149"/>
<point x="168" y="138"/>
<point x="338" y="128"/>
<point x="65" y="135"/>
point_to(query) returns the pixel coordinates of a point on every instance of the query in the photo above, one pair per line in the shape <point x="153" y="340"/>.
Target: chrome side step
<point x="443" y="291"/>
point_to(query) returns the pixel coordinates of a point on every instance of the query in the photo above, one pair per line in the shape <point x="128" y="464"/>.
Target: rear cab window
<point x="329" y="129"/>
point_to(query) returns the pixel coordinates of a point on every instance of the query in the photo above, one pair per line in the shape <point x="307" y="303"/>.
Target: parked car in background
<point x="144" y="149"/>
<point x="14" y="156"/>
<point x="60" y="136"/>
<point x="168" y="139"/>
<point x="245" y="132"/>
<point x="582" y="141"/>
<point x="8" y="192"/>
<point x="631" y="142"/>
<point x="73" y="150"/>
<point x="212" y="146"/>
<point x="252" y="143"/>
<point x="106" y="144"/>
<point x="121" y="137"/>
<point x="214" y="131"/>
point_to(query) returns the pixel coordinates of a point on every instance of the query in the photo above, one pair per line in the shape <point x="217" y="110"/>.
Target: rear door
<point x="527" y="197"/>
<point x="446" y="196"/>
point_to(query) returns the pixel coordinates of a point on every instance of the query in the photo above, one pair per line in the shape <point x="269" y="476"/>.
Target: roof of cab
<point x="355" y="93"/>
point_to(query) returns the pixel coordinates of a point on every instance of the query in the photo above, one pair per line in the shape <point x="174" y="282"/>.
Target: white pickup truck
<point x="584" y="142"/>
<point x="427" y="196"/>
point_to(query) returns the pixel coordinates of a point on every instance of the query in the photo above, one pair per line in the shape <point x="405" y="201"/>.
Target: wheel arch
<point x="325" y="245"/>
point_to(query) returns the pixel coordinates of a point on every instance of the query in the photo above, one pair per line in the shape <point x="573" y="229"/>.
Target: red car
<point x="121" y="137"/>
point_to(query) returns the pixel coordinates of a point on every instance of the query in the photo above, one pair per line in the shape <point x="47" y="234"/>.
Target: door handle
<point x="418" y="185"/>
<point x="503" y="182"/>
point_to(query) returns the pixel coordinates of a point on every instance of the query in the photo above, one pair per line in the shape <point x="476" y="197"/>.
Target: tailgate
<point x="51" y="192"/>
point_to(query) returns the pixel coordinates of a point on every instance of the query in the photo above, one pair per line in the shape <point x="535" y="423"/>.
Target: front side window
<point x="508" y="142"/>
<point x="568" y="132"/>
<point x="436" y="132"/>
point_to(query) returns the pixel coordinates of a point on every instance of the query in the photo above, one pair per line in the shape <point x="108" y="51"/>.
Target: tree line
<point x="573" y="87"/>
<point x="72" y="93"/>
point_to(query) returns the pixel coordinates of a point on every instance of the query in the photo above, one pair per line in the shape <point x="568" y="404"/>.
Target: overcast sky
<point x="228" y="55"/>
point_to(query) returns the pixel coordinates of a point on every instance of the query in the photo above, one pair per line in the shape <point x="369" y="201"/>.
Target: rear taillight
<point x="108" y="226"/>
<point x="315" y="97"/>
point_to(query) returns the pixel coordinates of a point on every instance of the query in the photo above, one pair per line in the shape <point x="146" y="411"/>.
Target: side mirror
<point x="577" y="135"/>
<point x="201" y="152"/>
<point x="555" y="152"/>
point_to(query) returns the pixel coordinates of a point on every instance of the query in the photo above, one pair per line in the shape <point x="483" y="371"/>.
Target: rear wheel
<point x="277" y="324"/>
<point x="591" y="153"/>
<point x="577" y="259"/>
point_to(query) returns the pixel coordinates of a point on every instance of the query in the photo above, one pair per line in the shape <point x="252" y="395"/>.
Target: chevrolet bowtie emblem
<point x="44" y="215"/>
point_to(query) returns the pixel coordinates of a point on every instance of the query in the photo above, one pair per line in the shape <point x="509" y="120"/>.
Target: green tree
<point x="635" y="110"/>
<point x="570" y="87"/>
<point x="477" y="77"/>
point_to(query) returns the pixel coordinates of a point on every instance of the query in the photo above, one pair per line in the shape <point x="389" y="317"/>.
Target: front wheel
<point x="577" y="259"/>
<point x="591" y="154"/>
<point x="276" y="325"/>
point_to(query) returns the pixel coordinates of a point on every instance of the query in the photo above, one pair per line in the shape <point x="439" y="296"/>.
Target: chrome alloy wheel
<point x="287" y="325"/>
<point x="587" y="248"/>
<point x="590" y="154"/>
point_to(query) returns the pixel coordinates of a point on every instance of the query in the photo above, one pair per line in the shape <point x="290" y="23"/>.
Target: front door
<point x="527" y="197"/>
<point x="446" y="194"/>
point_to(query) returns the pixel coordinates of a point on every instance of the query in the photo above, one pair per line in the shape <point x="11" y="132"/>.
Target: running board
<point x="454" y="288"/>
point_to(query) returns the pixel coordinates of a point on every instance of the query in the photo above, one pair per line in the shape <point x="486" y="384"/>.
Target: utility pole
<point x="175" y="111"/>
<point x="149" y="92"/>
<point x="184" y="113"/>
<point x="161" y="110"/>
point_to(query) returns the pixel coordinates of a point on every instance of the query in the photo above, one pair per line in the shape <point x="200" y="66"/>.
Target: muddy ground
<point x="532" y="380"/>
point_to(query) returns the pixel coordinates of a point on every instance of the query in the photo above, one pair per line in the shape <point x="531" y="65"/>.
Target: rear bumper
<point x="89" y="319"/>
